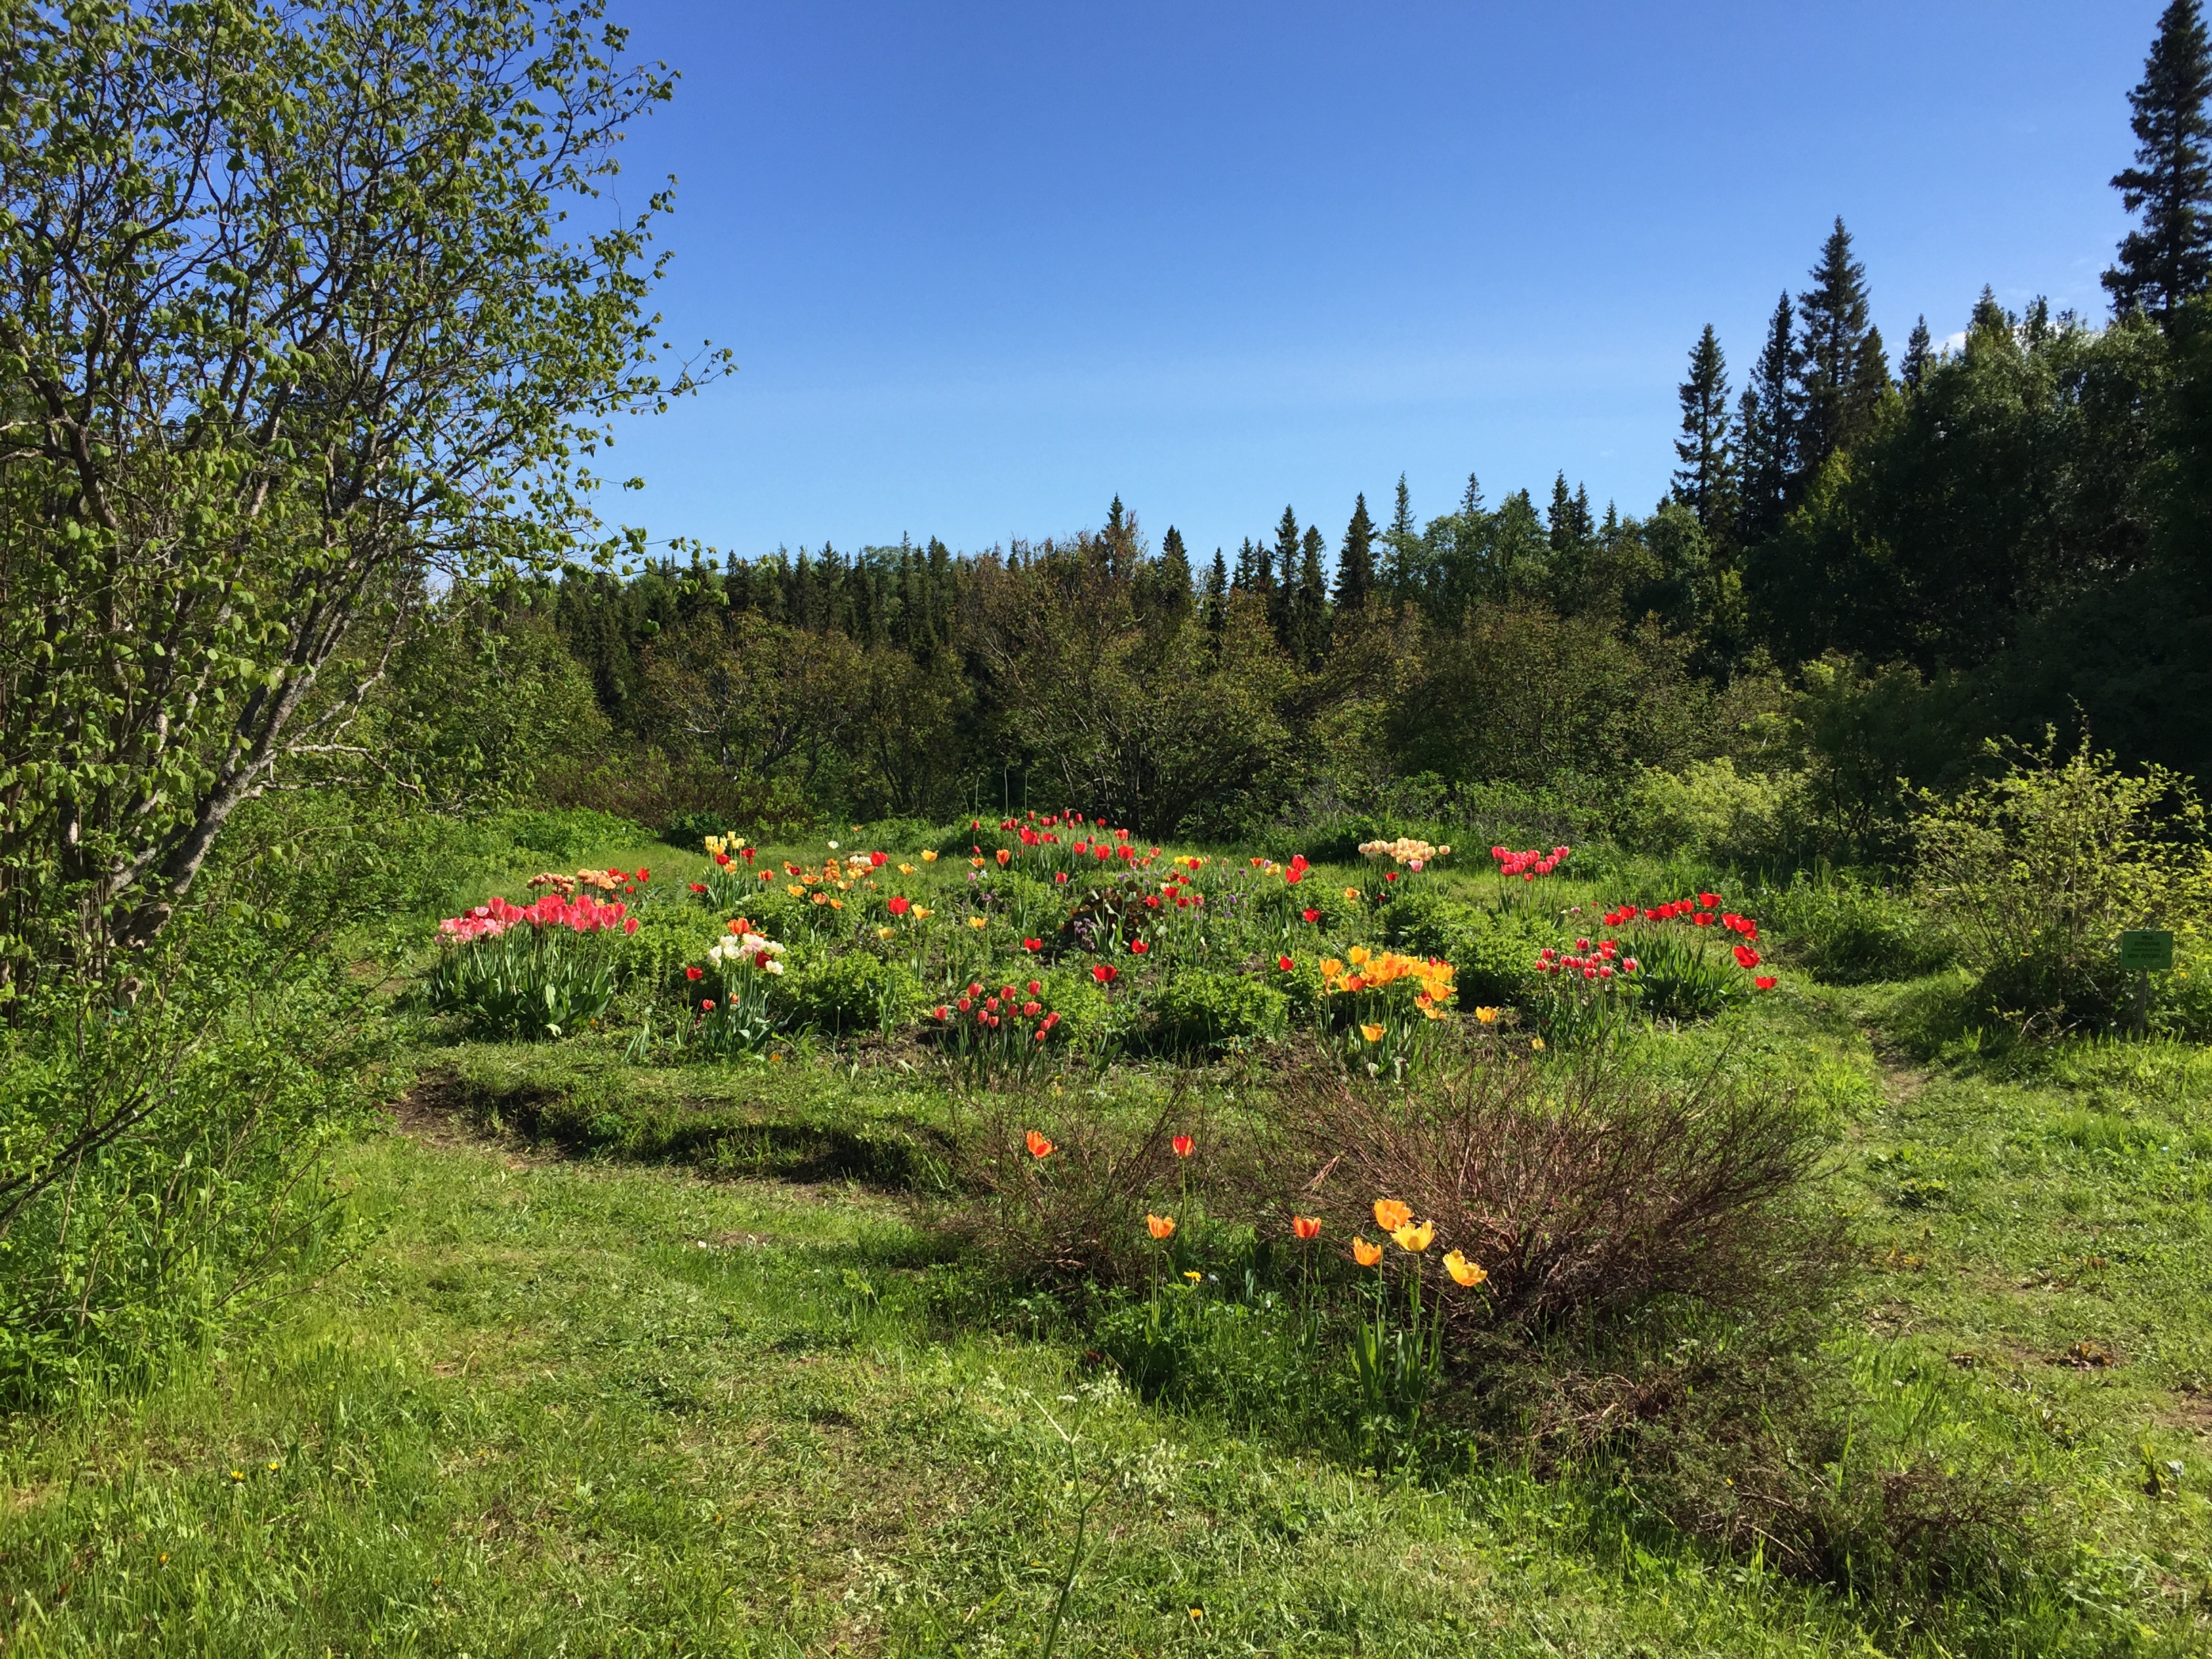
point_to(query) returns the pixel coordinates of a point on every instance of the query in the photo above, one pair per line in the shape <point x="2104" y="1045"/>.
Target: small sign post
<point x="2145" y="951"/>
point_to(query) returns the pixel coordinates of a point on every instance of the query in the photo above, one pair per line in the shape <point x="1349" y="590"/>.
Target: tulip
<point x="1036" y="988"/>
<point x="1372" y="1033"/>
<point x="1160" y="1226"/>
<point x="930" y="857"/>
<point x="1038" y="1145"/>
<point x="1105" y="974"/>
<point x="1137" y="947"/>
<point x="1746" y="957"/>
<point x="1285" y="963"/>
<point x="1764" y="982"/>
<point x="1032" y="945"/>
<point x="1366" y="1255"/>
<point x="978" y="923"/>
<point x="1390" y="1214"/>
<point x="1306" y="1226"/>
<point x="1414" y="1239"/>
<point x="1184" y="1146"/>
<point x="1005" y="858"/>
<point x="1463" y="1272"/>
<point x="900" y="904"/>
<point x="706" y="1005"/>
<point x="1309" y="916"/>
<point x="1486" y="1016"/>
<point x="698" y="886"/>
<point x="695" y="974"/>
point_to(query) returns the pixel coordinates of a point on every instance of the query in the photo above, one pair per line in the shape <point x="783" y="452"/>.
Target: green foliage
<point x="2034" y="874"/>
<point x="1195" y="1010"/>
<point x="1845" y="930"/>
<point x="1490" y="951"/>
<point x="530" y="981"/>
<point x="841" y="994"/>
<point x="1708" y="810"/>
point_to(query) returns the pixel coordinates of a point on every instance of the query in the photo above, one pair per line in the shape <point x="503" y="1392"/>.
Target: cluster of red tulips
<point x="580" y="915"/>
<point x="1600" y="961"/>
<point x="1530" y="865"/>
<point x="1703" y="911"/>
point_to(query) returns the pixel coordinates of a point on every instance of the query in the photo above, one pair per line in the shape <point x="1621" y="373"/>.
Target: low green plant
<point x="1196" y="1011"/>
<point x="841" y="994"/>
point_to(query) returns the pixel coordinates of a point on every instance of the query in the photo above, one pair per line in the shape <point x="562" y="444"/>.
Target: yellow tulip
<point x="1358" y="954"/>
<point x="1390" y="1214"/>
<point x="1372" y="1033"/>
<point x="1536" y="1043"/>
<point x="1330" y="967"/>
<point x="1463" y="1272"/>
<point x="1364" y="1254"/>
<point x="930" y="857"/>
<point x="920" y="914"/>
<point x="906" y="869"/>
<point x="885" y="933"/>
<point x="1487" y="1016"/>
<point x="1352" y="892"/>
<point x="796" y="891"/>
<point x="1413" y="1238"/>
<point x="978" y="923"/>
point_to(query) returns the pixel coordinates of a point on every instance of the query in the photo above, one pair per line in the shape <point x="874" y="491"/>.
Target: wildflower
<point x="1038" y="1145"/>
<point x="1160" y="1226"/>
<point x="1487" y="1016"/>
<point x="1193" y="1275"/>
<point x="930" y="856"/>
<point x="1184" y="1146"/>
<point x="1412" y="1238"/>
<point x="1306" y="1226"/>
<point x="1536" y="1044"/>
<point x="978" y="923"/>
<point x="1464" y="1273"/>
<point x="1390" y="1214"/>
<point x="899" y="904"/>
<point x="1764" y="982"/>
<point x="695" y="974"/>
<point x="1366" y="1255"/>
<point x="1105" y="973"/>
<point x="1372" y="1033"/>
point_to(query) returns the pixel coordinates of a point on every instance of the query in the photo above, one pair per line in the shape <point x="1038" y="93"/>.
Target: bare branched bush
<point x="1582" y="1192"/>
<point x="1074" y="1217"/>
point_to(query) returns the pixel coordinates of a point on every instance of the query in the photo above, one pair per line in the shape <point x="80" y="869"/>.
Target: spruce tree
<point x="1173" y="574"/>
<point x="1919" y="355"/>
<point x="1766" y="430"/>
<point x="2169" y="260"/>
<point x="1252" y="568"/>
<point x="1217" y="597"/>
<point x="1309" y="603"/>
<point x="1355" y="564"/>
<point x="1569" y="520"/>
<point x="1841" y="369"/>
<point x="1705" y="481"/>
<point x="1282" y="601"/>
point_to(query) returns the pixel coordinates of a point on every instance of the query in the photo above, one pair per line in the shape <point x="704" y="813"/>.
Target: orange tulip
<point x="1413" y="1238"/>
<point x="1390" y="1214"/>
<point x="1372" y="1033"/>
<point x="1306" y="1226"/>
<point x="1039" y="1146"/>
<point x="1466" y="1273"/>
<point x="1160" y="1226"/>
<point x="1366" y="1255"/>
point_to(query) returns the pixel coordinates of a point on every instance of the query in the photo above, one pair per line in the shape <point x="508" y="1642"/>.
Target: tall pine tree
<point x="1173" y="574"/>
<point x="1355" y="564"/>
<point x="2169" y="260"/>
<point x="1919" y="356"/>
<point x="1282" y="602"/>
<point x="1842" y="371"/>
<point x="1766" y="430"/>
<point x="1705" y="481"/>
<point x="1217" y="597"/>
<point x="1309" y="603"/>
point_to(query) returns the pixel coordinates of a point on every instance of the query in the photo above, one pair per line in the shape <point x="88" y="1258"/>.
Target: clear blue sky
<point x="985" y="266"/>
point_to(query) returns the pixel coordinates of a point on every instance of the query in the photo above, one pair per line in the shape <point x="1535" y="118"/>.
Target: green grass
<point x="655" y="1360"/>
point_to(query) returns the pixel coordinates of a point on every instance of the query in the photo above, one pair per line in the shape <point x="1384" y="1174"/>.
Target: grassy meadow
<point x="641" y="1351"/>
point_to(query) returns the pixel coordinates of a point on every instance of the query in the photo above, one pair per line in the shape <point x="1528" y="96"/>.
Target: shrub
<point x="1195" y="1010"/>
<point x="1583" y="1191"/>
<point x="1711" y="811"/>
<point x="844" y="993"/>
<point x="1845" y="930"/>
<point x="1489" y="950"/>
<point x="1073" y="1218"/>
<point x="2032" y="876"/>
<point x="560" y="835"/>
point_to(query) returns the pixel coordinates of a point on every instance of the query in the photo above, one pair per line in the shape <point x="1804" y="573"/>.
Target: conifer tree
<point x="1705" y="481"/>
<point x="1569" y="520"/>
<point x="1252" y="568"/>
<point x="1990" y="318"/>
<point x="2169" y="259"/>
<point x="1355" y="564"/>
<point x="1282" y="600"/>
<point x="1919" y="355"/>
<point x="1841" y="369"/>
<point x="1766" y="430"/>
<point x="1173" y="576"/>
<point x="1309" y="603"/>
<point x="1402" y="572"/>
<point x="1217" y="597"/>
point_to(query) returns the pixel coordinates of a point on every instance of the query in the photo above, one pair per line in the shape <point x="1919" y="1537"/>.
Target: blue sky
<point x="982" y="267"/>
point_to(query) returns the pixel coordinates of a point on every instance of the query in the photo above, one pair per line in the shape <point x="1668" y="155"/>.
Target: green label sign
<point x="2146" y="951"/>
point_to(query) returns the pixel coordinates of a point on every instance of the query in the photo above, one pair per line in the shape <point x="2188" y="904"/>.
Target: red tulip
<point x="1746" y="957"/>
<point x="900" y="904"/>
<point x="1137" y="947"/>
<point x="877" y="860"/>
<point x="1038" y="1145"/>
<point x="1105" y="974"/>
<point x="1032" y="945"/>
<point x="1184" y="1146"/>
<point x="1309" y="916"/>
<point x="1284" y="962"/>
<point x="1306" y="1226"/>
<point x="706" y="1005"/>
<point x="698" y="886"/>
<point x="1035" y="989"/>
<point x="1765" y="981"/>
<point x="695" y="974"/>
